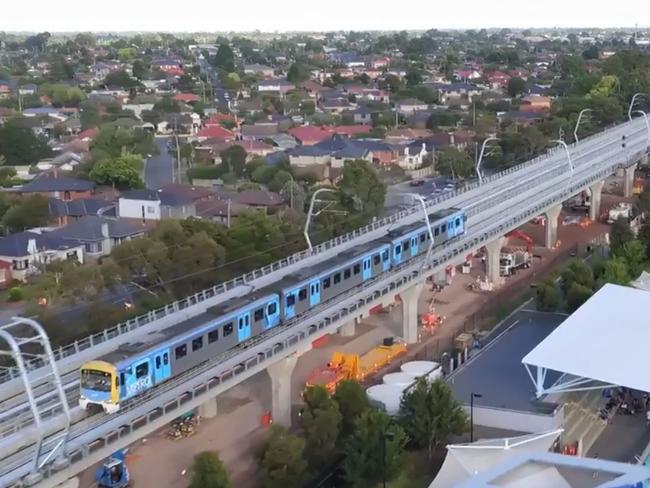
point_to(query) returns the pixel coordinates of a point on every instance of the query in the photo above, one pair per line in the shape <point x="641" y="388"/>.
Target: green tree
<point x="26" y="212"/>
<point x="633" y="254"/>
<point x="577" y="271"/>
<point x="577" y="294"/>
<point x="122" y="172"/>
<point x="320" y="421"/>
<point x="208" y="472"/>
<point x="139" y="69"/>
<point x="298" y="72"/>
<point x="282" y="463"/>
<point x="362" y="186"/>
<point x="619" y="235"/>
<point x="455" y="163"/>
<point x="126" y="54"/>
<point x="644" y="200"/>
<point x="352" y="401"/>
<point x="120" y="78"/>
<point x="413" y="77"/>
<point x="373" y="450"/>
<point x="516" y="86"/>
<point x="113" y="141"/>
<point x="167" y="105"/>
<point x="430" y="414"/>
<point x="224" y="59"/>
<point x="616" y="271"/>
<point x="19" y="145"/>
<point x="591" y="52"/>
<point x="442" y="119"/>
<point x="234" y="158"/>
<point x="547" y="297"/>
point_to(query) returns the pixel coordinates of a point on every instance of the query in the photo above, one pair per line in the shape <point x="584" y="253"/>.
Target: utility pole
<point x="228" y="213"/>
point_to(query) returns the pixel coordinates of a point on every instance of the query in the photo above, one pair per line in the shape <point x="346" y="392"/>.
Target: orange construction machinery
<point x="521" y="235"/>
<point x="431" y="320"/>
<point x="352" y="366"/>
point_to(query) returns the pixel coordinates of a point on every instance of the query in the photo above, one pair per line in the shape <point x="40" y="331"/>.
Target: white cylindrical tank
<point x="387" y="397"/>
<point x="419" y="368"/>
<point x="399" y="379"/>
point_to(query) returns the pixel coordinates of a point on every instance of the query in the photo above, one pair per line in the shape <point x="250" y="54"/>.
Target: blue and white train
<point x="134" y="368"/>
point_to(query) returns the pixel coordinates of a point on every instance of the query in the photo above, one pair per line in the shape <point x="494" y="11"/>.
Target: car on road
<point x="417" y="183"/>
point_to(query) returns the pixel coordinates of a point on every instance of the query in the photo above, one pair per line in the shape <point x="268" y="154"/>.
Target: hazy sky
<point x="282" y="15"/>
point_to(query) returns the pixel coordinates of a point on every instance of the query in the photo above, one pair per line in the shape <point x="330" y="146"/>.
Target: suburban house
<point x="67" y="212"/>
<point x="258" y="69"/>
<point x="28" y="89"/>
<point x="63" y="188"/>
<point x="102" y="68"/>
<point x="499" y="80"/>
<point x="308" y="135"/>
<point x="410" y="105"/>
<point x="535" y="103"/>
<point x="259" y="131"/>
<point x="454" y="91"/>
<point x="171" y="65"/>
<point x="336" y="105"/>
<point x="412" y="156"/>
<point x="333" y="151"/>
<point x="155" y="205"/>
<point x="99" y="235"/>
<point x="5" y="274"/>
<point x="215" y="131"/>
<point x="361" y="115"/>
<point x="6" y="87"/>
<point x="29" y="251"/>
<point x="521" y="117"/>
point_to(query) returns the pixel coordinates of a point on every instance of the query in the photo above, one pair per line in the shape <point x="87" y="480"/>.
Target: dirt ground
<point x="237" y="431"/>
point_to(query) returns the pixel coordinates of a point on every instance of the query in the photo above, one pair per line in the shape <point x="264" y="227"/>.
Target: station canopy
<point x="607" y="340"/>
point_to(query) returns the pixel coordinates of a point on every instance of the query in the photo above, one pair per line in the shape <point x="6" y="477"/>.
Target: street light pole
<point x="575" y="131"/>
<point x="311" y="212"/>
<point x="629" y="110"/>
<point x="480" y="158"/>
<point x="647" y="123"/>
<point x="471" y="414"/>
<point x="568" y="154"/>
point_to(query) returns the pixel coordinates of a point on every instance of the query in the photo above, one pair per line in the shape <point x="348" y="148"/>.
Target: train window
<point x="181" y="351"/>
<point x="142" y="370"/>
<point x="227" y="329"/>
<point x="327" y="282"/>
<point x="258" y="315"/>
<point x="117" y="382"/>
<point x="291" y="300"/>
<point x="443" y="228"/>
<point x="337" y="278"/>
<point x="302" y="294"/>
<point x="197" y="344"/>
<point x="458" y="222"/>
<point x="436" y="232"/>
<point x="213" y="336"/>
<point x="271" y="308"/>
<point x="157" y="362"/>
<point x="423" y="237"/>
<point x="406" y="245"/>
<point x="384" y="255"/>
<point x="122" y="379"/>
<point x="357" y="269"/>
<point x="376" y="259"/>
<point x="346" y="273"/>
<point x="166" y="359"/>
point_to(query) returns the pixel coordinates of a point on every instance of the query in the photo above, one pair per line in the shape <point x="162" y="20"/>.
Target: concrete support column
<point x="208" y="409"/>
<point x="492" y="256"/>
<point x="410" y="299"/>
<point x="348" y="329"/>
<point x="594" y="205"/>
<point x="644" y="160"/>
<point x="280" y="374"/>
<point x="628" y="181"/>
<point x="552" y="215"/>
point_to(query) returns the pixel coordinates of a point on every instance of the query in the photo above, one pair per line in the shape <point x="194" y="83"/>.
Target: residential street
<point x="159" y="169"/>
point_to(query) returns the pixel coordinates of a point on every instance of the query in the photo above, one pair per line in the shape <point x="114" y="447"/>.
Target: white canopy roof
<point x="463" y="461"/>
<point x="607" y="339"/>
<point x="642" y="282"/>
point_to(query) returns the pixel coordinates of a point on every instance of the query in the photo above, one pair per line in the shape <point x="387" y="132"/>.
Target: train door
<point x="290" y="300"/>
<point x="385" y="259"/>
<point x="314" y="293"/>
<point x="244" y="327"/>
<point x="397" y="253"/>
<point x="367" y="268"/>
<point x="272" y="313"/>
<point x="139" y="377"/>
<point x="414" y="245"/>
<point x="162" y="368"/>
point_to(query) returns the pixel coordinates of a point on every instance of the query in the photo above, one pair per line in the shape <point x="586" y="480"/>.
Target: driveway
<point x="159" y="169"/>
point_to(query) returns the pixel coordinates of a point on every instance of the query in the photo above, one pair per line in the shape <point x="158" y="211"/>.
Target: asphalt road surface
<point x="159" y="169"/>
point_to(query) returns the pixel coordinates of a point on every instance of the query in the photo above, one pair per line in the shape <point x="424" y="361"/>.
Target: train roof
<point x="158" y="337"/>
<point x="433" y="218"/>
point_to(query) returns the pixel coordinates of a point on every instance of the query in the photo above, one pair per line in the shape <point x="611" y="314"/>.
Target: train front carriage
<point x="99" y="386"/>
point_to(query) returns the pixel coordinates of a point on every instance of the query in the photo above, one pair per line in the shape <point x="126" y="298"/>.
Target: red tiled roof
<point x="186" y="97"/>
<point x="88" y="133"/>
<point x="215" y="131"/>
<point x="350" y="130"/>
<point x="310" y="134"/>
<point x="216" y="119"/>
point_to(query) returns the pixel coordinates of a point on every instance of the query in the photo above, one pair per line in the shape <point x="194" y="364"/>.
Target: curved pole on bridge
<point x="647" y="123"/>
<point x="311" y="212"/>
<point x="423" y="203"/>
<point x="575" y="131"/>
<point x="568" y="154"/>
<point x="480" y="158"/>
<point x="634" y="97"/>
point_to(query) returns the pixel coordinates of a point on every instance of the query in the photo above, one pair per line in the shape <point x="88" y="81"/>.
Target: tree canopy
<point x="208" y="472"/>
<point x="320" y="421"/>
<point x="362" y="186"/>
<point x="19" y="145"/>
<point x="282" y="463"/>
<point x="122" y="172"/>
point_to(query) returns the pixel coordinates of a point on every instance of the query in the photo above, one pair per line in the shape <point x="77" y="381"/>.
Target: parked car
<point x="417" y="183"/>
